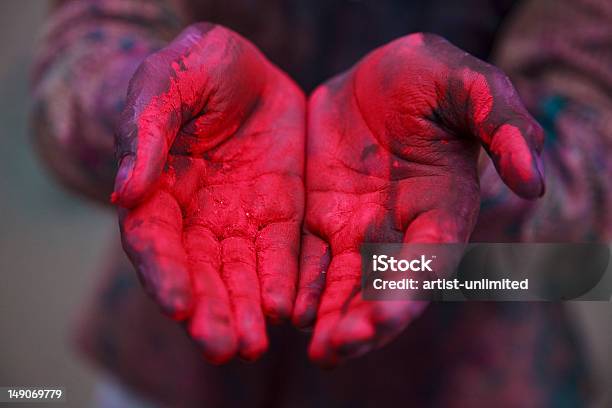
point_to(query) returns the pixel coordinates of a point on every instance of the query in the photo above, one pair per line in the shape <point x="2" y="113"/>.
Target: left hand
<point x="392" y="153"/>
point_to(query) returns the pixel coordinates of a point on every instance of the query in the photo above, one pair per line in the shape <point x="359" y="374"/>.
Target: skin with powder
<point x="359" y="169"/>
<point x="393" y="146"/>
<point x="211" y="187"/>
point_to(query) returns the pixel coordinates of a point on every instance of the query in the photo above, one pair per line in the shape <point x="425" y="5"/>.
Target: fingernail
<point x="177" y="304"/>
<point x="304" y="313"/>
<point x="126" y="166"/>
<point x="276" y="307"/>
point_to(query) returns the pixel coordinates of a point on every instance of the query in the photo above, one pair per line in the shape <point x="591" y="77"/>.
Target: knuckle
<point x="498" y="78"/>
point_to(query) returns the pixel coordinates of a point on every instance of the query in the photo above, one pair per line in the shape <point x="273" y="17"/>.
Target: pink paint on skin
<point x="212" y="141"/>
<point x="392" y="157"/>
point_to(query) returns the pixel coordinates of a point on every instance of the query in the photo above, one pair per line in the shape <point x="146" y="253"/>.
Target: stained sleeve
<point x="559" y="54"/>
<point x="87" y="53"/>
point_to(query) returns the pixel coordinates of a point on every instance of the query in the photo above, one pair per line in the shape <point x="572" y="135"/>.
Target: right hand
<point x="211" y="190"/>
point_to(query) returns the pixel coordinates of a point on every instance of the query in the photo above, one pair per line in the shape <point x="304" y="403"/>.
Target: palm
<point x="392" y="157"/>
<point x="361" y="191"/>
<point x="217" y="237"/>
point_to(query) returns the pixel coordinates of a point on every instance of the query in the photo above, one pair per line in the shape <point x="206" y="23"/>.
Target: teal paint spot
<point x="549" y="110"/>
<point x="491" y="202"/>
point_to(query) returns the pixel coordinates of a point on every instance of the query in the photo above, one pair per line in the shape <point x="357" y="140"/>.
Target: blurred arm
<point x="558" y="54"/>
<point x="89" y="50"/>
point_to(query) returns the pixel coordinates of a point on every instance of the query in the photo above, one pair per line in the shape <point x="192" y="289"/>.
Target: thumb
<point x="482" y="98"/>
<point x="510" y="135"/>
<point x="147" y="127"/>
<point x="150" y="121"/>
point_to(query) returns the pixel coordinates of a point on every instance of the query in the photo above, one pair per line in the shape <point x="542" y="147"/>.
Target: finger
<point x="494" y="113"/>
<point x="320" y="350"/>
<point x="342" y="283"/>
<point x="314" y="262"/>
<point x="355" y="333"/>
<point x="146" y="130"/>
<point x="150" y="121"/>
<point x="368" y="325"/>
<point x="277" y="251"/>
<point x="239" y="272"/>
<point x="441" y="234"/>
<point x="212" y="325"/>
<point x="152" y="237"/>
<point x="445" y="224"/>
<point x="511" y="137"/>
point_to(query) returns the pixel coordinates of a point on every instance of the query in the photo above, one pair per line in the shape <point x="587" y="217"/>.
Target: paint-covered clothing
<point x="455" y="354"/>
<point x="90" y="49"/>
<point x="558" y="54"/>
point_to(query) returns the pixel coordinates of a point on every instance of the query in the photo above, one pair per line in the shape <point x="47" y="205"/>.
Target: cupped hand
<point x="392" y="151"/>
<point x="210" y="187"/>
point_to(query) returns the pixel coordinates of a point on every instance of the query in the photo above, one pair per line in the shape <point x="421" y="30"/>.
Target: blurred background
<point x="52" y="244"/>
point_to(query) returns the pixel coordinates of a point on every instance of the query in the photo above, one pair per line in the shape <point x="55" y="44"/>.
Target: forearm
<point x="89" y="51"/>
<point x="559" y="56"/>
